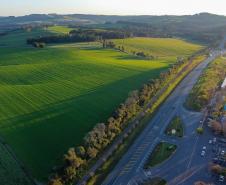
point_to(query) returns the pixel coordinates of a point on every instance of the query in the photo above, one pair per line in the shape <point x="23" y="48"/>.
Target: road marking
<point x="193" y="152"/>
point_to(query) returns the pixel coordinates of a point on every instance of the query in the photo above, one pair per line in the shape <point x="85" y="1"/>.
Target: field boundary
<point x="19" y="162"/>
<point x="152" y="105"/>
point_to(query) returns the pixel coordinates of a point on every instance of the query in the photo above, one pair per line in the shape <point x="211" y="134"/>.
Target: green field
<point x="18" y="38"/>
<point x="10" y="170"/>
<point x="59" y="29"/>
<point x="52" y="97"/>
<point x="176" y="124"/>
<point x="161" y="153"/>
<point x="163" y="48"/>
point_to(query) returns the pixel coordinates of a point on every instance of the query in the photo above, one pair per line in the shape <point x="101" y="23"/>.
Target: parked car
<point x="214" y="140"/>
<point x="204" y="147"/>
<point x="203" y="153"/>
<point x="210" y="141"/>
<point x="221" y="178"/>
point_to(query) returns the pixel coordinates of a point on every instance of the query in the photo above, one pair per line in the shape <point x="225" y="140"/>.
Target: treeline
<point x="192" y="31"/>
<point x="80" y="35"/>
<point x="77" y="160"/>
<point x="206" y="86"/>
<point x="112" y="45"/>
<point x="103" y="34"/>
<point x="62" y="39"/>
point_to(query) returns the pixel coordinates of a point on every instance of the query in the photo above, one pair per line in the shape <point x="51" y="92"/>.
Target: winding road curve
<point x="186" y="161"/>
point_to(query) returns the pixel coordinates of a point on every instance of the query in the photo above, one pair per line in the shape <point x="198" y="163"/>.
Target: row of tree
<point x="206" y="87"/>
<point x="77" y="159"/>
<point x="103" y="34"/>
<point x="62" y="39"/>
<point x="79" y="35"/>
<point x="111" y="44"/>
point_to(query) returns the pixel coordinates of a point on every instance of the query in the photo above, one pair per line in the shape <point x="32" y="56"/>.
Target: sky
<point x="112" y="7"/>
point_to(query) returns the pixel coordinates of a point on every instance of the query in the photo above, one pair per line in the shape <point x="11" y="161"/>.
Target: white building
<point x="223" y="84"/>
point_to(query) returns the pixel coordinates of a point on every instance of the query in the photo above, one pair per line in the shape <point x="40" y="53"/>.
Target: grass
<point x="159" y="47"/>
<point x="161" y="153"/>
<point x="18" y="38"/>
<point x="177" y="125"/>
<point x="10" y="171"/>
<point x="53" y="96"/>
<point x="207" y="84"/>
<point x="59" y="29"/>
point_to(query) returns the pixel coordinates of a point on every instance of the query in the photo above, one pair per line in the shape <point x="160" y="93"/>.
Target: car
<point x="214" y="140"/>
<point x="203" y="153"/>
<point x="148" y="173"/>
<point x="204" y="147"/>
<point x="221" y="178"/>
<point x="222" y="152"/>
<point x="210" y="141"/>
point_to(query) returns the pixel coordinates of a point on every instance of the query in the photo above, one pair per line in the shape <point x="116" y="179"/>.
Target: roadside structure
<point x="223" y="86"/>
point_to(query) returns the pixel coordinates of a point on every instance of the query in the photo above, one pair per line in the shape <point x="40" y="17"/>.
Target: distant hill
<point x="202" y="27"/>
<point x="202" y="18"/>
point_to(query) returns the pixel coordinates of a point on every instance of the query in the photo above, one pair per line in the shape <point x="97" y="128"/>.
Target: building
<point x="223" y="86"/>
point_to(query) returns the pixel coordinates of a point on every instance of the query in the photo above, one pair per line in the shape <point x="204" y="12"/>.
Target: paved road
<point x="185" y="163"/>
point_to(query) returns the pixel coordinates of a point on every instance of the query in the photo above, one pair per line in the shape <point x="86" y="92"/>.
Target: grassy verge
<point x="161" y="152"/>
<point x="175" y="125"/>
<point x="207" y="84"/>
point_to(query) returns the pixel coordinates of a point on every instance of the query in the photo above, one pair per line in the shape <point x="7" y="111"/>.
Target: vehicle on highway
<point x="204" y="147"/>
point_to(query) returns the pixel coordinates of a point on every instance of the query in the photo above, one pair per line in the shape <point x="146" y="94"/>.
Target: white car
<point x="221" y="178"/>
<point x="222" y="152"/>
<point x="210" y="141"/>
<point x="204" y="148"/>
<point x="203" y="153"/>
<point x="214" y="140"/>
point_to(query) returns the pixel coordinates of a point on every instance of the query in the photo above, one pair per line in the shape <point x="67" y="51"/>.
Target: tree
<point x="69" y="173"/>
<point x="215" y="168"/>
<point x="55" y="181"/>
<point x="200" y="130"/>
<point x="38" y="44"/>
<point x="201" y="183"/>
<point x="80" y="150"/>
<point x="92" y="152"/>
<point x="224" y="128"/>
<point x="216" y="126"/>
<point x="72" y="159"/>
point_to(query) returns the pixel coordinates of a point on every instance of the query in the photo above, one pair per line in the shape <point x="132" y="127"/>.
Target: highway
<point x="182" y="166"/>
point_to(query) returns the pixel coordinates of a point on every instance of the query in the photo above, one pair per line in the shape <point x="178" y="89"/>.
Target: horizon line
<point x="121" y="15"/>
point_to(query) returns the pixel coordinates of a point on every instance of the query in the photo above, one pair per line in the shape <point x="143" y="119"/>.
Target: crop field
<point x="10" y="171"/>
<point x="50" y="98"/>
<point x="59" y="29"/>
<point x="165" y="48"/>
<point x="18" y="38"/>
